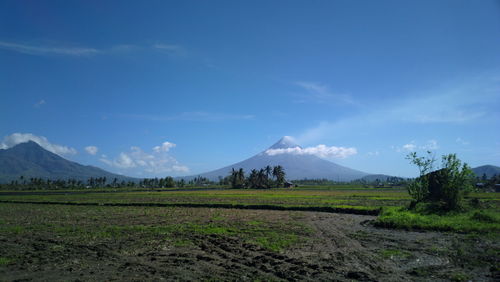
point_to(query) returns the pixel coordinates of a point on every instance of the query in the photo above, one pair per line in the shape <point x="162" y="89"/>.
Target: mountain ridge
<point x="30" y="160"/>
<point x="489" y="170"/>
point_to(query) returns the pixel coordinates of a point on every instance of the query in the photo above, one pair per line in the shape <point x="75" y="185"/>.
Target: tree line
<point x="38" y="183"/>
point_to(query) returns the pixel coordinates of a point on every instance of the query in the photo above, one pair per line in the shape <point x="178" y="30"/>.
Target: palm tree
<point x="237" y="178"/>
<point x="241" y="178"/>
<point x="279" y="174"/>
<point x="262" y="177"/>
<point x="269" y="171"/>
<point x="253" y="181"/>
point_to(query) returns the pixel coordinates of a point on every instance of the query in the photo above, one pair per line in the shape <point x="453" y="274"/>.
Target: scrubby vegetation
<point x="439" y="200"/>
<point x="446" y="186"/>
<point x="420" y="218"/>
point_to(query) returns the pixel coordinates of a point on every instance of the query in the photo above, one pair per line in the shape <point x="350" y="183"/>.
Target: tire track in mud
<point x="234" y="259"/>
<point x="344" y="247"/>
<point x="245" y="256"/>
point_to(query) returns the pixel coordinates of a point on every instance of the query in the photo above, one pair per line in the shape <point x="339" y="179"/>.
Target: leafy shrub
<point x="446" y="186"/>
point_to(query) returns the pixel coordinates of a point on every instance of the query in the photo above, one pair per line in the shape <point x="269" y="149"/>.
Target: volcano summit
<point x="296" y="161"/>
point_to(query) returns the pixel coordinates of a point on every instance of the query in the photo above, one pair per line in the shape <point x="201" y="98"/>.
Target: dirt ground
<point x="341" y="247"/>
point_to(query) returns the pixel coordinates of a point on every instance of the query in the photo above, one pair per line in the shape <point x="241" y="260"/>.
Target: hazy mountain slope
<point x="296" y="166"/>
<point x="31" y="160"/>
<point x="489" y="170"/>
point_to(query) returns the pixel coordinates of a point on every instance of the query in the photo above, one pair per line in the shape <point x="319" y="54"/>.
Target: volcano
<point x="296" y="166"/>
<point x="31" y="160"/>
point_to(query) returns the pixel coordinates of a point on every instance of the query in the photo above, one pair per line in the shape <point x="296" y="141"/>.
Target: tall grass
<point x="475" y="220"/>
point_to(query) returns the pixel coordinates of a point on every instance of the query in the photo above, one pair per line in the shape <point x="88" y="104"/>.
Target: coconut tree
<point x="279" y="174"/>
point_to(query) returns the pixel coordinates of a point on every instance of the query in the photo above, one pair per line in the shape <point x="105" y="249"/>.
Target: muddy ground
<point x="339" y="247"/>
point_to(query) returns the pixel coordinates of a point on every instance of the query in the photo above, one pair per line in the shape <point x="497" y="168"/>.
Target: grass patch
<point x="275" y="241"/>
<point x="391" y="253"/>
<point x="182" y="243"/>
<point x="180" y="227"/>
<point x="12" y="229"/>
<point x="459" y="276"/>
<point x="5" y="261"/>
<point x="470" y="221"/>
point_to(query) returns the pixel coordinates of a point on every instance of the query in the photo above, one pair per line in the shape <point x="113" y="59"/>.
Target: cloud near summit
<point x="17" y="138"/>
<point x="321" y="151"/>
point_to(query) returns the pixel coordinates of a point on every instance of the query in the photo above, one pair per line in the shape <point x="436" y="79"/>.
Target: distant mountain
<point x="489" y="170"/>
<point x="31" y="160"/>
<point x="296" y="166"/>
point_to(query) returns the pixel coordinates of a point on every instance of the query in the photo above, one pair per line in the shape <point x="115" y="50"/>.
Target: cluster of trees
<point x="37" y="183"/>
<point x="444" y="187"/>
<point x="166" y="182"/>
<point x="24" y="183"/>
<point x="170" y="182"/>
<point x="489" y="183"/>
<point x="391" y="181"/>
<point x="263" y="178"/>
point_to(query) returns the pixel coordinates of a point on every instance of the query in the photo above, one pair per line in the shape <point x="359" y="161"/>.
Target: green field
<point x="275" y="234"/>
<point x="297" y="197"/>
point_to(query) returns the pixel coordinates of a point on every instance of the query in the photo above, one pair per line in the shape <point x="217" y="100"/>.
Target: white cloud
<point x="461" y="141"/>
<point x="409" y="147"/>
<point x="17" y="138"/>
<point x="165" y="147"/>
<point x="412" y="146"/>
<point x="124" y="161"/>
<point x="91" y="150"/>
<point x="376" y="153"/>
<point x="180" y="168"/>
<point x="47" y="50"/>
<point x="39" y="103"/>
<point x="61" y="50"/>
<point x="157" y="162"/>
<point x="319" y="150"/>
<point x="431" y="145"/>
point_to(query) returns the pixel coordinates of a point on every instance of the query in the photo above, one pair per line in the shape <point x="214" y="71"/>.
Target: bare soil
<point x="340" y="247"/>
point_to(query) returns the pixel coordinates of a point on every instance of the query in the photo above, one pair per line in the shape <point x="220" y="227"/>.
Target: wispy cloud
<point x="462" y="141"/>
<point x="189" y="116"/>
<point x="48" y="50"/>
<point x="322" y="151"/>
<point x="17" y="138"/>
<point x="62" y="50"/>
<point x="170" y="49"/>
<point x="164" y="147"/>
<point x="156" y="162"/>
<point x="467" y="101"/>
<point x="409" y="147"/>
<point x="321" y="93"/>
<point x="430" y="145"/>
<point x="39" y="103"/>
<point x="91" y="150"/>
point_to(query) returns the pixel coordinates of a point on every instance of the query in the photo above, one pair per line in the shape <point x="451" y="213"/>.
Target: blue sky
<point x="162" y="88"/>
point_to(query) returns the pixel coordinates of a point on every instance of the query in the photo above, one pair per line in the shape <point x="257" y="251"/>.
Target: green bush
<point x="445" y="187"/>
